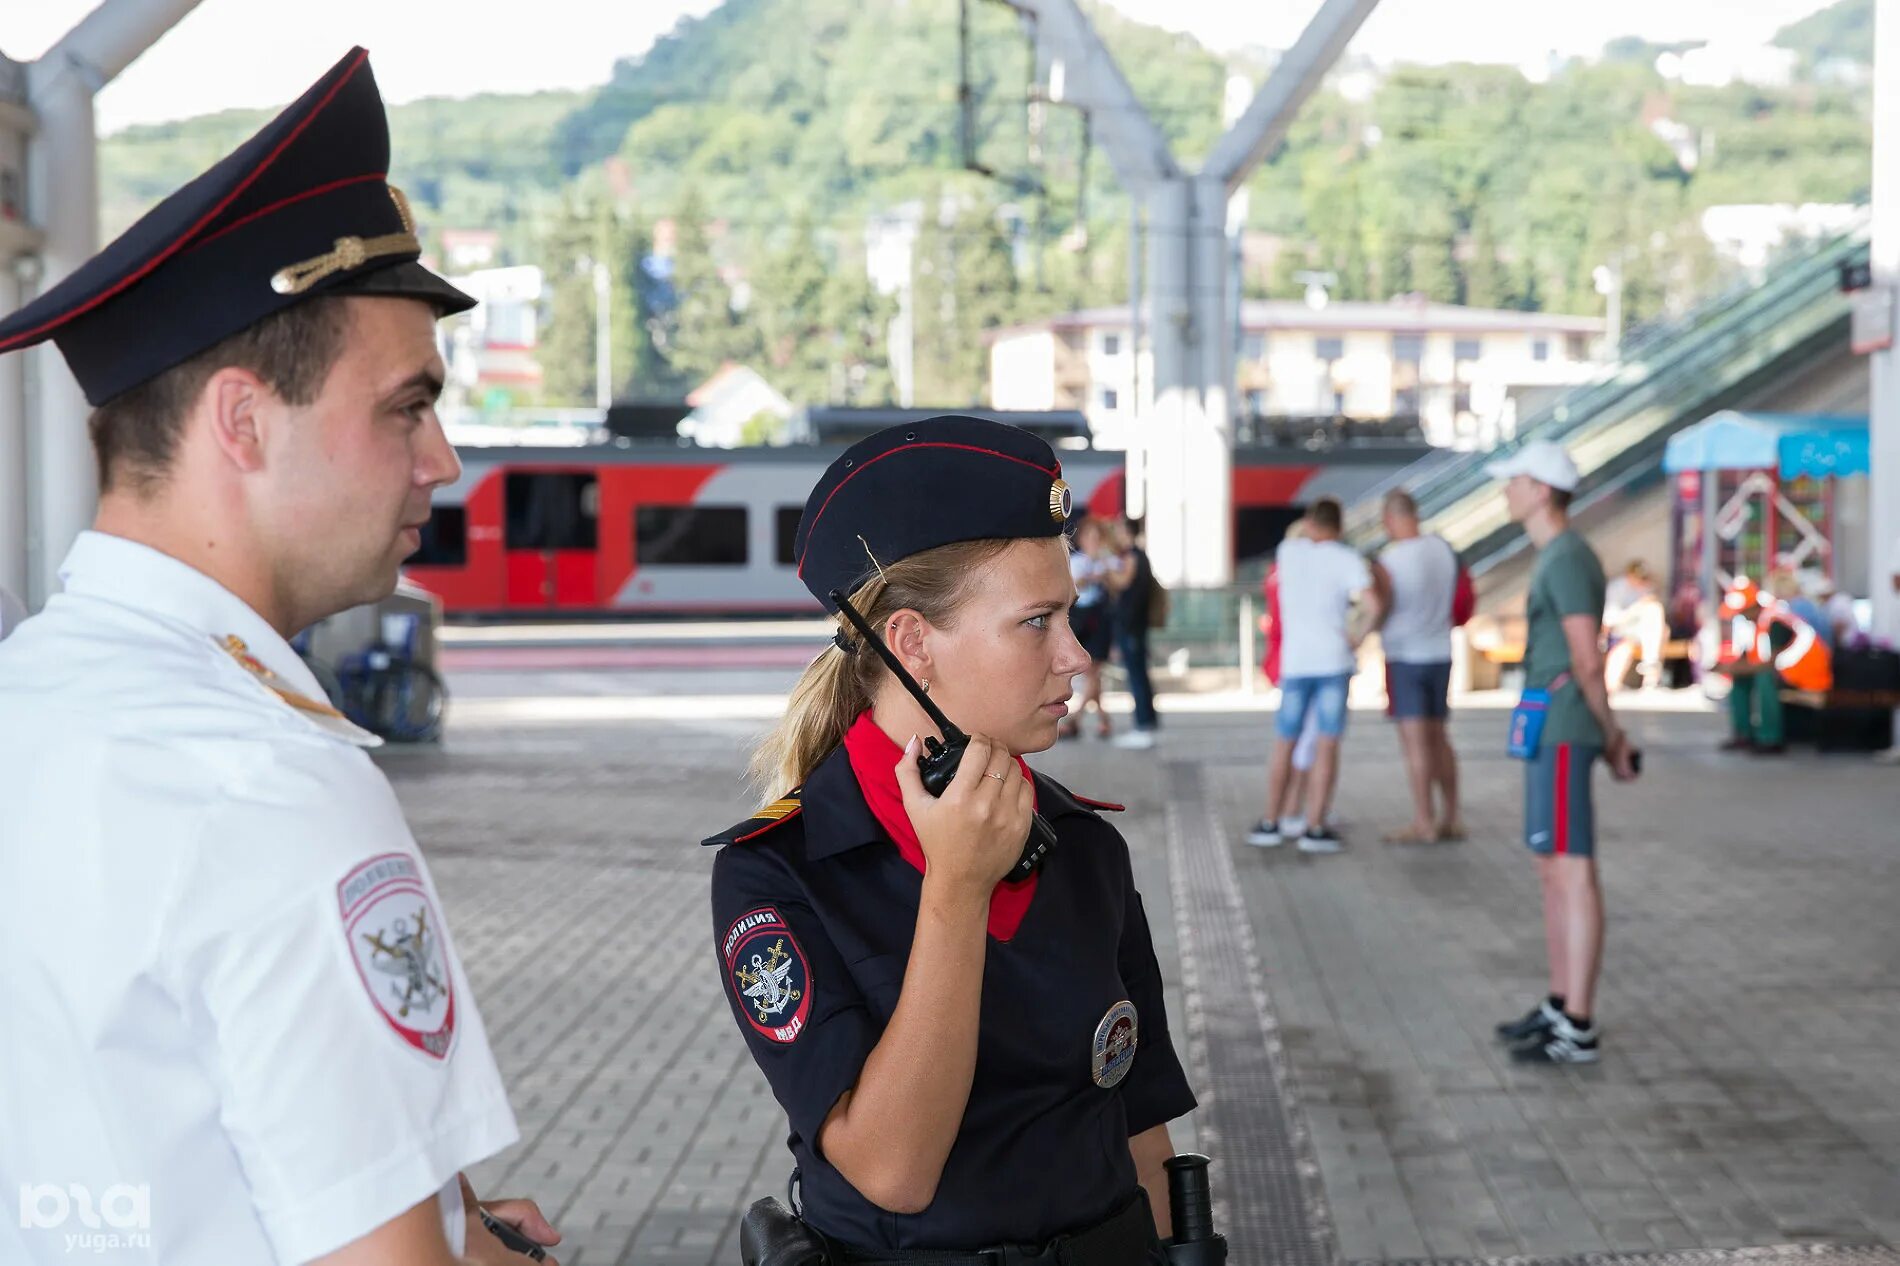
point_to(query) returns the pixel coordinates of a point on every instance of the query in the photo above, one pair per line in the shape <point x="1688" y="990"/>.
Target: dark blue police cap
<point x="303" y="208"/>
<point x="913" y="487"/>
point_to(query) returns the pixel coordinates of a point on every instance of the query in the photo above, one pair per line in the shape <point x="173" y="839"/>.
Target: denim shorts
<point x="1418" y="691"/>
<point x="1325" y="695"/>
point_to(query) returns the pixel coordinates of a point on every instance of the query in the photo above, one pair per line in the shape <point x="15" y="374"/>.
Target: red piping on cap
<point x="178" y="243"/>
<point x="909" y="448"/>
<point x="294" y="198"/>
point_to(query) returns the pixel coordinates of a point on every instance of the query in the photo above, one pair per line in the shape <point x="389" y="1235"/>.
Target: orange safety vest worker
<point x="1804" y="663"/>
<point x="1738" y="641"/>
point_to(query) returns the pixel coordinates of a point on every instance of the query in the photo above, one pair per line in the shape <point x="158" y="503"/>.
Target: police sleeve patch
<point x="768" y="974"/>
<point x="395" y="938"/>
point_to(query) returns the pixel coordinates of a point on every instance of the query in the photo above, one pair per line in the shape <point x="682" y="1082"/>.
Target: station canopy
<point x="1792" y="444"/>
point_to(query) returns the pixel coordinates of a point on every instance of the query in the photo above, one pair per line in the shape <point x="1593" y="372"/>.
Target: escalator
<point x="1724" y="354"/>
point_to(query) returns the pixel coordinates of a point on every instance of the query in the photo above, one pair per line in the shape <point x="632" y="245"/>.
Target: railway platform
<point x="1336" y="1011"/>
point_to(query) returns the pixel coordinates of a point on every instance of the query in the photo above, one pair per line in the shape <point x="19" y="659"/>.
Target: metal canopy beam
<point x="1180" y="452"/>
<point x="1253" y="135"/>
<point x="1884" y="423"/>
<point x="1091" y="81"/>
<point x="63" y="199"/>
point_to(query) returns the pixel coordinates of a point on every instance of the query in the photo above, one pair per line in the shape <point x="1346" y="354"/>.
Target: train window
<point x="552" y="510"/>
<point x="787" y="534"/>
<point x="690" y="536"/>
<point x="1258" y="530"/>
<point x="444" y="539"/>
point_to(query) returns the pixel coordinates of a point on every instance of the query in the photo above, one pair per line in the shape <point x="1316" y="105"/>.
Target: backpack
<point x="1464" y="595"/>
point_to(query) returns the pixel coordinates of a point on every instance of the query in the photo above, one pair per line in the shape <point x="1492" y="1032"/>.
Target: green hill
<point x="1844" y="29"/>
<point x="777" y="127"/>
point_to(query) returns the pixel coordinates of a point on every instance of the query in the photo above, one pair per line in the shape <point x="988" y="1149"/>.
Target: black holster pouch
<point x="772" y="1235"/>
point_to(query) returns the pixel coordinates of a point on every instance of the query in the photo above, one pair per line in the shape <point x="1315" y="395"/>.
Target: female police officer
<point x="967" y="1064"/>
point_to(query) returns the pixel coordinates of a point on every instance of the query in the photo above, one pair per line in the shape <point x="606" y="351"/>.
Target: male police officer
<point x="236" y="1029"/>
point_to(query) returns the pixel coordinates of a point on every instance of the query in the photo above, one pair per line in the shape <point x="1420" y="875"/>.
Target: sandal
<point x="1452" y="834"/>
<point x="1406" y="835"/>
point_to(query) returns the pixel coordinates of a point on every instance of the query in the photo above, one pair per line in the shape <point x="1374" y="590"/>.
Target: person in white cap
<point x="1565" y="692"/>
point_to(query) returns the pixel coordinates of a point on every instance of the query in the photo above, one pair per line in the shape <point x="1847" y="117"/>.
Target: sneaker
<point x="1563" y="1043"/>
<point x="1320" y="839"/>
<point x="1140" y="740"/>
<point x="1533" y="1023"/>
<point x="1265" y="834"/>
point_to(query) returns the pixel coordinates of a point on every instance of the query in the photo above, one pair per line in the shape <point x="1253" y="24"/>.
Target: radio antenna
<point x="942" y="722"/>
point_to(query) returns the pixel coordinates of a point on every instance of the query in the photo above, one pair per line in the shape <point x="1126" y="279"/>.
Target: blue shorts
<point x="1325" y="695"/>
<point x="1418" y="691"/>
<point x="1559" y="816"/>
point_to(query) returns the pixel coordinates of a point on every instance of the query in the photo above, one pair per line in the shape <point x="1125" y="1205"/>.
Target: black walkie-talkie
<point x="938" y="762"/>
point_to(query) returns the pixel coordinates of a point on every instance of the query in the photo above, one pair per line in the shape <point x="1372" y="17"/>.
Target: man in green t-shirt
<point x="1563" y="656"/>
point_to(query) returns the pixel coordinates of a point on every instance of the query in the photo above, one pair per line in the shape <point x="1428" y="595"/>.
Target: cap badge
<point x="350" y="253"/>
<point x="1061" y="501"/>
<point x="1115" y="1040"/>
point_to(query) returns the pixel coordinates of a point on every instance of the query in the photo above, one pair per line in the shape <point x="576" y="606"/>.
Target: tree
<point x="789" y="291"/>
<point x="566" y="342"/>
<point x="1483" y="275"/>
<point x="964" y="285"/>
<point x="861" y="319"/>
<point x="705" y="330"/>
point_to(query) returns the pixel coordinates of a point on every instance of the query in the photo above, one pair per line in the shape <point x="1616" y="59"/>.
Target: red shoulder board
<point x="769" y="818"/>
<point x="1109" y="805"/>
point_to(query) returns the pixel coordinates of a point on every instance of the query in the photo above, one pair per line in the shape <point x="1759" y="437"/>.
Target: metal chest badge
<point x="1115" y="1040"/>
<point x="395" y="937"/>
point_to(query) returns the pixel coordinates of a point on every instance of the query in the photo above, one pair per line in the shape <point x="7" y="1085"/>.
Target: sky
<point x="245" y="53"/>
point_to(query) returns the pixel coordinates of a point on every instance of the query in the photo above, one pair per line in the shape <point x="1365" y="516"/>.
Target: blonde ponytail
<point x="840" y="685"/>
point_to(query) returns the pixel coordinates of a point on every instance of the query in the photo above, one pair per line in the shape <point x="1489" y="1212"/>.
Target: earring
<point x="925" y="683"/>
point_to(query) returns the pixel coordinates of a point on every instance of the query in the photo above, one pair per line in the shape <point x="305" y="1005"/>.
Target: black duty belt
<point x="1124" y="1238"/>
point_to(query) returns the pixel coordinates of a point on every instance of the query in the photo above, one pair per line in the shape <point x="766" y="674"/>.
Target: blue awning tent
<point x="1792" y="444"/>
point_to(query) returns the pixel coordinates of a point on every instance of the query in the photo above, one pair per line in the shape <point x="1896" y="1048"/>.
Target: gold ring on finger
<point x="989" y="773"/>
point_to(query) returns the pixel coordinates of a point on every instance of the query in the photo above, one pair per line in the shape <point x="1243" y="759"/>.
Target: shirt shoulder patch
<point x="770" y="978"/>
<point x="395" y="938"/>
<point x="767" y="819"/>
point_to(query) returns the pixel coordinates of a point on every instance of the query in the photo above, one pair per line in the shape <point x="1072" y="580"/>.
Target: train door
<point x="551" y="538"/>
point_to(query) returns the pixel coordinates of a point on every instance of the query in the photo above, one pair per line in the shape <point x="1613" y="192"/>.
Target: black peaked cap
<point x="918" y="485"/>
<point x="303" y="208"/>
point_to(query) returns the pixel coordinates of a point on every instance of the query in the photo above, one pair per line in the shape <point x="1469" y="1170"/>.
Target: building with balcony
<point x="491" y="350"/>
<point x="1460" y="377"/>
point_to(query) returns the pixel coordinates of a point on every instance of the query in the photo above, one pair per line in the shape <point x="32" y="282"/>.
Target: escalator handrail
<point x="1649" y="361"/>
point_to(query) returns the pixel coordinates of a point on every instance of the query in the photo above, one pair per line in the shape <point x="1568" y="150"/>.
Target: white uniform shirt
<point x="1424" y="572"/>
<point x="233" y="1026"/>
<point x="1318" y="582"/>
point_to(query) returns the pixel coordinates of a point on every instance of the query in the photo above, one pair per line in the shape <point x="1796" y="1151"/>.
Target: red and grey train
<point x="661" y="530"/>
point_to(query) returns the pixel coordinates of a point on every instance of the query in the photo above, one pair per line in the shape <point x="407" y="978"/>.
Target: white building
<point x="1458" y="372"/>
<point x="492" y="350"/>
<point x="736" y="407"/>
<point x="1723" y="62"/>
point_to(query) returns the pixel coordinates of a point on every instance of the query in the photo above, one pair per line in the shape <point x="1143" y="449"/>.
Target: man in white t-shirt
<point x="1320" y="579"/>
<point x="1417" y="576"/>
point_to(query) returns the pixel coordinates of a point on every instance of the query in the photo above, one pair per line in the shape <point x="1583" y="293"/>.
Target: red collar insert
<point x="874" y="760"/>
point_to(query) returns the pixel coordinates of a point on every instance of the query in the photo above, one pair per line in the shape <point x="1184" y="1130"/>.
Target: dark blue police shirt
<point x="823" y="903"/>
